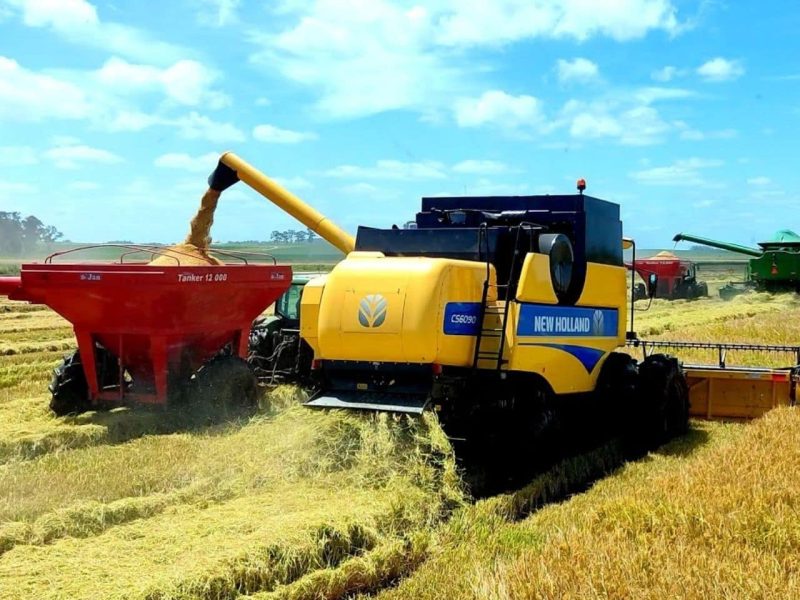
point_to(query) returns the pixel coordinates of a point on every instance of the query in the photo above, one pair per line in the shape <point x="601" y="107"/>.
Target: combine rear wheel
<point x="225" y="384"/>
<point x="69" y="388"/>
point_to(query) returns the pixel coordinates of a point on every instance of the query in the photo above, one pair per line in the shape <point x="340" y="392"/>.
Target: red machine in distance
<point x="159" y="324"/>
<point x="677" y="277"/>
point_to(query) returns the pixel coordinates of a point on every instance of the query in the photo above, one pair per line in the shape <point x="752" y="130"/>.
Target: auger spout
<point x="231" y="169"/>
<point x="717" y="244"/>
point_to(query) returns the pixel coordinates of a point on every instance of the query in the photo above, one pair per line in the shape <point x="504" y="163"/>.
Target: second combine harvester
<point x="497" y="312"/>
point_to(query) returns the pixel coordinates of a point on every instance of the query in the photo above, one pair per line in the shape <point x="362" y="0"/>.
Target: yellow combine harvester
<point x="494" y="311"/>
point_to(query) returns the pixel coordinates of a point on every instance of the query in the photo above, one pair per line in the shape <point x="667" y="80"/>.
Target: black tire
<point x="640" y="292"/>
<point x="617" y="393"/>
<point x="664" y="399"/>
<point x="225" y="384"/>
<point x="69" y="388"/>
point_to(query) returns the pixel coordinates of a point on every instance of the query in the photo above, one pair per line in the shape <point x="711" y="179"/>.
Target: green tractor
<point x="277" y="353"/>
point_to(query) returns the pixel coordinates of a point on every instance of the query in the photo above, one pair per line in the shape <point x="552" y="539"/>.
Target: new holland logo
<point x="372" y="310"/>
<point x="597" y="323"/>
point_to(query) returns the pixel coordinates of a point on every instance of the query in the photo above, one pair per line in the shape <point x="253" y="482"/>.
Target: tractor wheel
<point x="703" y="289"/>
<point x="664" y="399"/>
<point x="226" y="384"/>
<point x="640" y="292"/>
<point x="69" y="388"/>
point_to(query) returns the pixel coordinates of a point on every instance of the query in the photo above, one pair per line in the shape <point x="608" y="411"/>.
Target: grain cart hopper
<point x="677" y="278"/>
<point x="144" y="330"/>
<point x="774" y="267"/>
<point x="497" y="312"/>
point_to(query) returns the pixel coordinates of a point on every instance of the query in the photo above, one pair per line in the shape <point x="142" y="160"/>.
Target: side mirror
<point x="652" y="283"/>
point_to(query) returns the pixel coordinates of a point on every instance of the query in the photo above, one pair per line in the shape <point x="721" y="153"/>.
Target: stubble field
<point x="298" y="504"/>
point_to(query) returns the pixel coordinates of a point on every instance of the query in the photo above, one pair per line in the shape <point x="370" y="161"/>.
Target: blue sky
<point x="113" y="113"/>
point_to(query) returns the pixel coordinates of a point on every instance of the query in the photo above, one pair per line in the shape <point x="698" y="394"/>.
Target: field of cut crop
<point x="298" y="504"/>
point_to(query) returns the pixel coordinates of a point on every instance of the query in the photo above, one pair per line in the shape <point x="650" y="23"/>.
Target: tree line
<point x="20" y="235"/>
<point x="292" y="236"/>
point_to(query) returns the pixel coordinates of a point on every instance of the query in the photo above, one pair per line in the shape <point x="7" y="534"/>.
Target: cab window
<point x="288" y="305"/>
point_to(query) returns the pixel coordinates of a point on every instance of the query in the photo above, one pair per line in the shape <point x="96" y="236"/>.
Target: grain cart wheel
<point x="69" y="388"/>
<point x="226" y="384"/>
<point x="665" y="399"/>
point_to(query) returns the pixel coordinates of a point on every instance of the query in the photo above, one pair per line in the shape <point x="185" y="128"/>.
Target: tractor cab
<point x="287" y="307"/>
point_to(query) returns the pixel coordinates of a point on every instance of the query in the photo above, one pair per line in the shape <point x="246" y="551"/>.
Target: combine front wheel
<point x="665" y="398"/>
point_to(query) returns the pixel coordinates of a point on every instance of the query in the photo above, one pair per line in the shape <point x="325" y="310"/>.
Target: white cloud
<point x="720" y="69"/>
<point x="759" y="181"/>
<point x="71" y="157"/>
<point x="107" y="100"/>
<point x="392" y="170"/>
<point x="579" y="70"/>
<point x="276" y="135"/>
<point x="360" y="189"/>
<point x="185" y="82"/>
<point x="199" y="127"/>
<point x="294" y="183"/>
<point x="196" y="164"/>
<point x="637" y="125"/>
<point x="481" y="167"/>
<point x="695" y="135"/>
<point x="474" y="22"/>
<point x="217" y="13"/>
<point x="649" y="95"/>
<point x="367" y="56"/>
<point x="17" y="156"/>
<point x="130" y="120"/>
<point x="60" y="14"/>
<point x="83" y="186"/>
<point x="78" y="22"/>
<point x="499" y="109"/>
<point x="9" y="189"/>
<point x="666" y="74"/>
<point x="29" y="96"/>
<point x="685" y="173"/>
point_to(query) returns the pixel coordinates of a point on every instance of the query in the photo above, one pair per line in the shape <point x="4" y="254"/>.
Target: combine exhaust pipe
<point x="231" y="169"/>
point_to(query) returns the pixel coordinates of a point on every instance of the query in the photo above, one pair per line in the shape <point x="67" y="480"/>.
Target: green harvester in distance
<point x="773" y="267"/>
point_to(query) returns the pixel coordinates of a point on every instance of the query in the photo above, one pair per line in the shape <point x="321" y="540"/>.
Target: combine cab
<point x="676" y="278"/>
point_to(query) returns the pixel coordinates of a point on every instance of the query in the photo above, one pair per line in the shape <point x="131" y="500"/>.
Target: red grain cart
<point x="144" y="330"/>
<point x="677" y="278"/>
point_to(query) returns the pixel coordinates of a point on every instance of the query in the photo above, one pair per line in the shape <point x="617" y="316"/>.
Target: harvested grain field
<point x="299" y="504"/>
